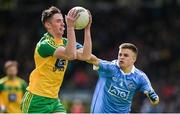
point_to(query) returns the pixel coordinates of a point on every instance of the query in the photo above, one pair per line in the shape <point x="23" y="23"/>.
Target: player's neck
<point x="12" y="77"/>
<point x="54" y="34"/>
<point x="127" y="69"/>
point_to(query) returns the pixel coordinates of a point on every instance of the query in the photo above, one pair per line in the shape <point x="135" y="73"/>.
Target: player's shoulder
<point x="47" y="39"/>
<point x="140" y="76"/>
<point x="65" y="41"/>
<point x="21" y="80"/>
<point x="46" y="46"/>
<point x="3" y="80"/>
<point x="113" y="62"/>
<point x="139" y="73"/>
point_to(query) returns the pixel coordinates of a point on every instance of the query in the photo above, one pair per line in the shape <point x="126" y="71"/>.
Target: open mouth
<point x="121" y="61"/>
<point x="62" y="30"/>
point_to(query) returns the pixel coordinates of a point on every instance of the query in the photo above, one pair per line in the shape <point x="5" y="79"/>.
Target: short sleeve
<point x="145" y="84"/>
<point x="2" y="80"/>
<point x="105" y="66"/>
<point x="78" y="45"/>
<point x="46" y="48"/>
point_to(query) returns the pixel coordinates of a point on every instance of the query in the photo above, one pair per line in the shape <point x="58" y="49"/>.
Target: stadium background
<point x="152" y="25"/>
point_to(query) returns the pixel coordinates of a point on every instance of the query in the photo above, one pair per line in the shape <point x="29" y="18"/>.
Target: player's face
<point x="126" y="58"/>
<point x="56" y="24"/>
<point x="11" y="71"/>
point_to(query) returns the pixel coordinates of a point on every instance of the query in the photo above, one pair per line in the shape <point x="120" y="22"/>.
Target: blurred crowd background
<point x="152" y="25"/>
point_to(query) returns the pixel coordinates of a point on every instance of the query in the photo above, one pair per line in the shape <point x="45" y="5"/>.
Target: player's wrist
<point x="87" y="29"/>
<point x="70" y="26"/>
<point x="155" y="101"/>
<point x="153" y="97"/>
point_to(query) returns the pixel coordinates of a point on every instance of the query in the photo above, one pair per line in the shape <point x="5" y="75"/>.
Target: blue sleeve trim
<point x="78" y="45"/>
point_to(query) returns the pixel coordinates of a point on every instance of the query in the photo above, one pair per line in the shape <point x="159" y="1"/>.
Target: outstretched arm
<point x="85" y="52"/>
<point x="94" y="60"/>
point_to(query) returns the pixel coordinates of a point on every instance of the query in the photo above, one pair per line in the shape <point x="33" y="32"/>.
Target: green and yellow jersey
<point x="47" y="77"/>
<point x="11" y="93"/>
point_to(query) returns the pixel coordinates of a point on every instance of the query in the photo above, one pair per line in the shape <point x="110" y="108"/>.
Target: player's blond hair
<point x="130" y="46"/>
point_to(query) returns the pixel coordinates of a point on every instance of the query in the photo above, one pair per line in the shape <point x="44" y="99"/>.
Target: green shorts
<point x="38" y="104"/>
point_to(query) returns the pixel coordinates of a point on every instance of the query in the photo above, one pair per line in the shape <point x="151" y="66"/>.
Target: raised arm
<point x="69" y="52"/>
<point x="85" y="52"/>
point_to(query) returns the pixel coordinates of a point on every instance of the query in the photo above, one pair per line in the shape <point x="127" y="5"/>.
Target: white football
<point x="83" y="19"/>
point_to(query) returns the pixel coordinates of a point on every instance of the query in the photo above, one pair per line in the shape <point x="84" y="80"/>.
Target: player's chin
<point x="61" y="32"/>
<point x="121" y="65"/>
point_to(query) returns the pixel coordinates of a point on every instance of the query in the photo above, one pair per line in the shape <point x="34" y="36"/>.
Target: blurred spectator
<point x="148" y="108"/>
<point x="77" y="106"/>
<point x="81" y="79"/>
<point x="12" y="89"/>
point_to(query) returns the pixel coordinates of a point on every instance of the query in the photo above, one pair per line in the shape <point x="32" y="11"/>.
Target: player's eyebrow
<point x="126" y="55"/>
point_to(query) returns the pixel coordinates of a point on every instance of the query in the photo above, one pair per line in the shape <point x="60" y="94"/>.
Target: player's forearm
<point x="153" y="97"/>
<point x="71" y="46"/>
<point x="84" y="53"/>
<point x="87" y="49"/>
<point x="93" y="60"/>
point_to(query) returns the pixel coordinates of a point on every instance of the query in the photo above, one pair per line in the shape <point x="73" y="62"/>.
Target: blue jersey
<point x="115" y="89"/>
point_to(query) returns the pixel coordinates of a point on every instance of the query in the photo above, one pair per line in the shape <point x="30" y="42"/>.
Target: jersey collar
<point x="132" y="71"/>
<point x="49" y="34"/>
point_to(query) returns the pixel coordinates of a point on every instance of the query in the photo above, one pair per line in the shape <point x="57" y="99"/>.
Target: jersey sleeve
<point x="46" y="48"/>
<point x="145" y="84"/>
<point x="78" y="45"/>
<point x="105" y="66"/>
<point x="2" y="80"/>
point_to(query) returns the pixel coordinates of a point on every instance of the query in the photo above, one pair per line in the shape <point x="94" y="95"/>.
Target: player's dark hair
<point x="48" y="13"/>
<point x="130" y="46"/>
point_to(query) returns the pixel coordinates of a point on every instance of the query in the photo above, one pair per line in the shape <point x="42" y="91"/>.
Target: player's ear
<point x="134" y="57"/>
<point x="47" y="25"/>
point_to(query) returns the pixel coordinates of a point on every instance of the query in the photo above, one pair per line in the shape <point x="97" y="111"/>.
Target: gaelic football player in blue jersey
<point x="119" y="80"/>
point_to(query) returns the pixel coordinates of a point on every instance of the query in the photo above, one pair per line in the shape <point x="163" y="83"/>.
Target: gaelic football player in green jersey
<point x="51" y="56"/>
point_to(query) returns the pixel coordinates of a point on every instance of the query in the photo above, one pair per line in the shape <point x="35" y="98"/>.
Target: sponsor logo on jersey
<point x="118" y="92"/>
<point x="60" y="65"/>
<point x="131" y="85"/>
